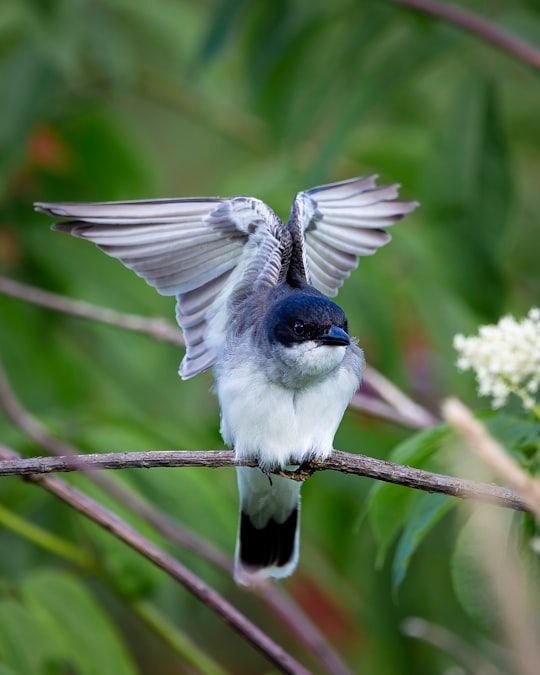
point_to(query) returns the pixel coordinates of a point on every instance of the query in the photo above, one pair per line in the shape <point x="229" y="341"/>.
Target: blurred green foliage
<point x="114" y="99"/>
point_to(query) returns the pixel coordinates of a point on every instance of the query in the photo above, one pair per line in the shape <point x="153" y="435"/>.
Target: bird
<point x="253" y="300"/>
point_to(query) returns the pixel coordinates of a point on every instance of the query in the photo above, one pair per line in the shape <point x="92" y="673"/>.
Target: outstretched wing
<point x="340" y="222"/>
<point x="199" y="250"/>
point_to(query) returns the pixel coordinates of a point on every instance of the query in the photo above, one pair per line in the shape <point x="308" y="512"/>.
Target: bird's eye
<point x="299" y="328"/>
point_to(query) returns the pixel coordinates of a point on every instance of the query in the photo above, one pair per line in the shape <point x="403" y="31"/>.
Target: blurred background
<point x="113" y="100"/>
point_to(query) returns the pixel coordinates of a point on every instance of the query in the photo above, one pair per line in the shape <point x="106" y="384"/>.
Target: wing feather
<point x="134" y="212"/>
<point x="340" y="222"/>
<point x="367" y="222"/>
<point x="201" y="250"/>
<point x="324" y="265"/>
<point x="156" y="234"/>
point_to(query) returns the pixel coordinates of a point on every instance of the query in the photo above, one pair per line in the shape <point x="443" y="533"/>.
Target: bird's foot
<point x="267" y="473"/>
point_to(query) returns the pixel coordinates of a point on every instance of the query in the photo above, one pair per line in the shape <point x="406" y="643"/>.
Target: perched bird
<point x="252" y="303"/>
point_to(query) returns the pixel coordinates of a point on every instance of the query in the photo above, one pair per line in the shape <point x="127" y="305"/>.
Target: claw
<point x="267" y="473"/>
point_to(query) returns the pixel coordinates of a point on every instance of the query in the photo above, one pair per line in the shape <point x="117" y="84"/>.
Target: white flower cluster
<point x="505" y="358"/>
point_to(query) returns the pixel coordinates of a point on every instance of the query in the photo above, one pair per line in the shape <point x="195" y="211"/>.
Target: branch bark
<point x="359" y="465"/>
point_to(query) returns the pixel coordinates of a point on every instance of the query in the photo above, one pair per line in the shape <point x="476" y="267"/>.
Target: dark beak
<point x="334" y="336"/>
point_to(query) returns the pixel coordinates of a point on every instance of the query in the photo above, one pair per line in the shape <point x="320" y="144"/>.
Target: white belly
<point x="278" y="425"/>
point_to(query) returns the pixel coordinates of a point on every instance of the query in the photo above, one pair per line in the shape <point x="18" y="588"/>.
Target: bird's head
<point x="308" y="333"/>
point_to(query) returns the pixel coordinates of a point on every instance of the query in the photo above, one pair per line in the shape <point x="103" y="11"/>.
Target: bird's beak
<point x="334" y="336"/>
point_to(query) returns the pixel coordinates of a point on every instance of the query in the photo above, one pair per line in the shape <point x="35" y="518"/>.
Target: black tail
<point x="267" y="544"/>
<point x="271" y="545"/>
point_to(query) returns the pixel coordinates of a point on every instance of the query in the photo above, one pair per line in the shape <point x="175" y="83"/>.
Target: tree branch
<point x="344" y="462"/>
<point x="479" y="26"/>
<point x="121" y="530"/>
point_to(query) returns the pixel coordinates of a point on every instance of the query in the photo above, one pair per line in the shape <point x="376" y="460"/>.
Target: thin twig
<point x="449" y="642"/>
<point x="365" y="403"/>
<point x="344" y="462"/>
<point x="197" y="658"/>
<point x="156" y="327"/>
<point x="275" y="598"/>
<point x="492" y="453"/>
<point x="480" y="27"/>
<point x="408" y="411"/>
<point x="121" y="530"/>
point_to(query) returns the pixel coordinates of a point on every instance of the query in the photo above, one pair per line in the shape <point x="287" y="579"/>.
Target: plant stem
<point x="176" y="639"/>
<point x="42" y="538"/>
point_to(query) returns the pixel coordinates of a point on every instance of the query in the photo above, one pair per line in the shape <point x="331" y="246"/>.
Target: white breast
<point x="280" y="425"/>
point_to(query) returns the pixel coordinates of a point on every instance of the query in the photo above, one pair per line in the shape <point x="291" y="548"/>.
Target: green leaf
<point x="388" y="511"/>
<point x="426" y="512"/>
<point x="390" y="505"/>
<point x="515" y="432"/>
<point x="220" y="30"/>
<point x="419" y="447"/>
<point x="18" y="630"/>
<point x="471" y="580"/>
<point x="75" y="624"/>
<point x="493" y="194"/>
<point x="128" y="571"/>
